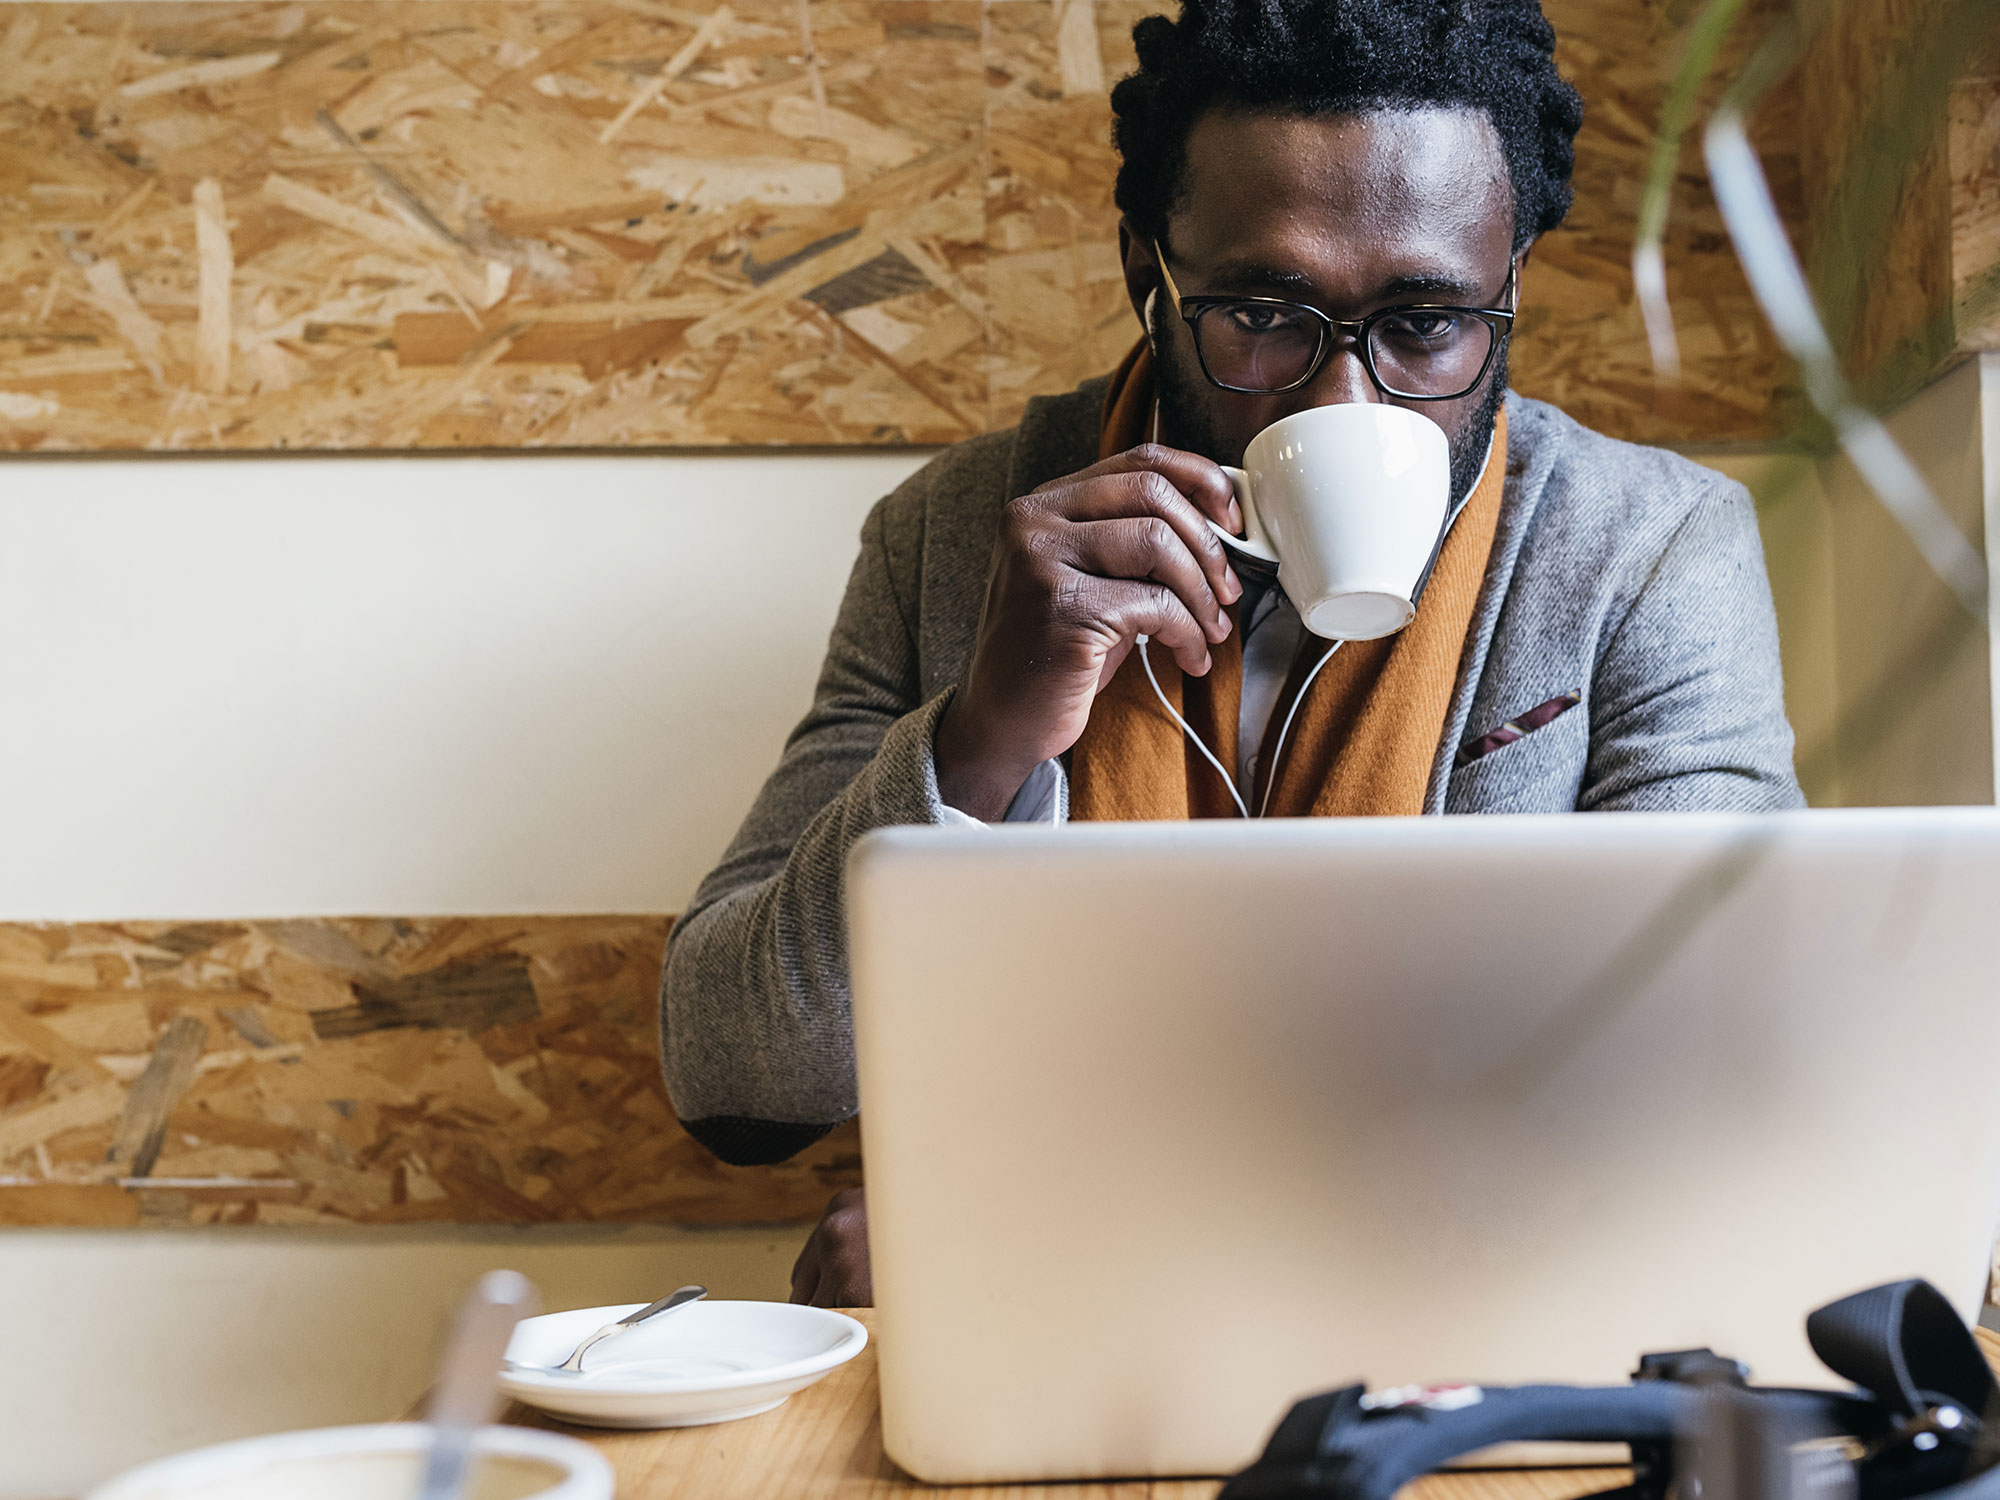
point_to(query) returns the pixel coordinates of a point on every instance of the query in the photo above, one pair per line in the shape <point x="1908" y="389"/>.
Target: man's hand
<point x="832" y="1270"/>
<point x="1083" y="566"/>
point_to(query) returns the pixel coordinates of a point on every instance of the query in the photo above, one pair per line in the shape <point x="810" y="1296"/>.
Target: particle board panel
<point x="468" y="223"/>
<point x="357" y="1071"/>
<point x="1974" y="148"/>
<point x="1878" y="253"/>
<point x="1057" y="287"/>
<point x="373" y="224"/>
<point x="1580" y="340"/>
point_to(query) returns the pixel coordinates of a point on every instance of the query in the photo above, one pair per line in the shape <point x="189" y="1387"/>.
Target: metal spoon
<point x="467" y="1395"/>
<point x="574" y="1364"/>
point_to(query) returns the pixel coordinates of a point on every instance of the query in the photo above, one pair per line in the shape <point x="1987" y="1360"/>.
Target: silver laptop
<point x="1166" y="1126"/>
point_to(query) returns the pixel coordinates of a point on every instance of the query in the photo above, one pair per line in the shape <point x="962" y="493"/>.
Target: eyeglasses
<point x="1263" y="345"/>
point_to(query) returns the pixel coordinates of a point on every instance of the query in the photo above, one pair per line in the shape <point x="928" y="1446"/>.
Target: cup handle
<point x="1253" y="541"/>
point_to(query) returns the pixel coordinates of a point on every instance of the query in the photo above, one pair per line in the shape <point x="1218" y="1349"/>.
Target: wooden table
<point x="826" y="1444"/>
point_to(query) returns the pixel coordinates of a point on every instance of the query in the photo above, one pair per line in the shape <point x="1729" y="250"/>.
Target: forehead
<point x="1425" y="189"/>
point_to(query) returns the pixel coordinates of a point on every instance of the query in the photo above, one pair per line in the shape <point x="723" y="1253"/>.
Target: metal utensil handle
<point x="467" y="1392"/>
<point x="574" y="1364"/>
<point x="666" y="1304"/>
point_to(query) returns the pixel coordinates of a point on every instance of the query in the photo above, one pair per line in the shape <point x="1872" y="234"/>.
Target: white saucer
<point x="709" y="1362"/>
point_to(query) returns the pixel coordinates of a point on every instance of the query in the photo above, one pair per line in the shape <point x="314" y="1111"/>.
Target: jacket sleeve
<point x="755" y="1030"/>
<point x="1688" y="706"/>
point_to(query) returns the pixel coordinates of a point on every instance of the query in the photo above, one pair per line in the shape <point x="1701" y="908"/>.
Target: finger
<point x="1200" y="479"/>
<point x="847" y="1283"/>
<point x="1147" y="547"/>
<point x="1113" y="660"/>
<point x="1143" y="492"/>
<point x="805" y="1271"/>
<point x="1129" y="609"/>
<point x="806" y="1287"/>
<point x="836" y="1273"/>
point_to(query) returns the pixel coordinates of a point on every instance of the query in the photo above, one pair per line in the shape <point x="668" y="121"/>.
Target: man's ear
<point x="1142" y="276"/>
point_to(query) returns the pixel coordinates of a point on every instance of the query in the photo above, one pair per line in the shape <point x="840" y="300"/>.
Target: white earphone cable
<point x="1284" y="730"/>
<point x="1278" y="750"/>
<point x="1194" y="739"/>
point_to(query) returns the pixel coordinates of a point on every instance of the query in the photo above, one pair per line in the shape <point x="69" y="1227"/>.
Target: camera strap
<point x="1925" y="1419"/>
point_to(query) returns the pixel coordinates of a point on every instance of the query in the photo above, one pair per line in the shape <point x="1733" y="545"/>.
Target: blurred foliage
<point x="1889" y="145"/>
<point x="1891" y="139"/>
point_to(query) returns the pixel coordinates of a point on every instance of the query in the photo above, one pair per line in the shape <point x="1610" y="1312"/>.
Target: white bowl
<point x="383" y="1462"/>
<point x="708" y="1362"/>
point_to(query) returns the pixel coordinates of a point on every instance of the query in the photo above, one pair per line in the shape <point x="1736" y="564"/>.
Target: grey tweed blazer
<point x="1624" y="573"/>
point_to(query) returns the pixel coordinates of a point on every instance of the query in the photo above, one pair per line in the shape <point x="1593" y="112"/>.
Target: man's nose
<point x="1343" y="378"/>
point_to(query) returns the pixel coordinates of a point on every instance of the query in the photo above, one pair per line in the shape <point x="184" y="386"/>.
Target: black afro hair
<point x="1312" y="57"/>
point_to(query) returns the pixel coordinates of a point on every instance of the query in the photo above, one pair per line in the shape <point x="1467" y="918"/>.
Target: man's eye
<point x="1258" y="317"/>
<point x="1423" y="327"/>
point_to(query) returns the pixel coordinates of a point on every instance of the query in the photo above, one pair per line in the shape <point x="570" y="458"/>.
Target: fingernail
<point x="1232" y="583"/>
<point x="1222" y="627"/>
<point x="1235" y="514"/>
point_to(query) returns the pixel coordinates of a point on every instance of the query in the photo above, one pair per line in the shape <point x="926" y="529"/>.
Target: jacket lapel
<point x="1532" y="450"/>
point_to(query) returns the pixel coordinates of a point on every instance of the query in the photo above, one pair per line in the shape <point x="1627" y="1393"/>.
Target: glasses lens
<point x="1430" y="351"/>
<point x="1258" y="346"/>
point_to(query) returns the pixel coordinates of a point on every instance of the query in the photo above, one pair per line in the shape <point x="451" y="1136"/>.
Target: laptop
<point x="1167" y="1126"/>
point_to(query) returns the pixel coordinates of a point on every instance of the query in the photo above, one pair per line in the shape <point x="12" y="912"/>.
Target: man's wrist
<point x="969" y="777"/>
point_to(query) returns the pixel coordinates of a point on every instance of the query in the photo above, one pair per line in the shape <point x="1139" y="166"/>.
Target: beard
<point x="1468" y="453"/>
<point x="1192" y="422"/>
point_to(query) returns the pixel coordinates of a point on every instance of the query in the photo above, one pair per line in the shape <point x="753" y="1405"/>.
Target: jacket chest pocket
<point x="1532" y="763"/>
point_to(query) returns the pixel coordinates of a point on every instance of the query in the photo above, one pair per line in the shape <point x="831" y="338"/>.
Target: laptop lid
<point x="1166" y="1126"/>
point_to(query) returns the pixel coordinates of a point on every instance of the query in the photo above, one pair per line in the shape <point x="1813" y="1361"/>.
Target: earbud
<point x="1147" y="318"/>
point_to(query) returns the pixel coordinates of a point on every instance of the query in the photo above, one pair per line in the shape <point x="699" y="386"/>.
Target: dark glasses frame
<point x="1193" y="309"/>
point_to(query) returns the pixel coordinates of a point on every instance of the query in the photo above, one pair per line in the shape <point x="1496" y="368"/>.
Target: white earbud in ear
<point x="1147" y="317"/>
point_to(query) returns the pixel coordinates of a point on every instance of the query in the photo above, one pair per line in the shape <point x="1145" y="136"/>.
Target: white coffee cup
<point x="1349" y="502"/>
<point x="384" y="1462"/>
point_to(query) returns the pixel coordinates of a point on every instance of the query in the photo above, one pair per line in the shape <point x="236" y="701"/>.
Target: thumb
<point x="1113" y="660"/>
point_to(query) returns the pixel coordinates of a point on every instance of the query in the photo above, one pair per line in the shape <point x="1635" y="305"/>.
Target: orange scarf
<point x="1367" y="734"/>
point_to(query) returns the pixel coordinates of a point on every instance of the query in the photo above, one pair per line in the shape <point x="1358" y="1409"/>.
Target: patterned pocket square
<point x="1513" y="729"/>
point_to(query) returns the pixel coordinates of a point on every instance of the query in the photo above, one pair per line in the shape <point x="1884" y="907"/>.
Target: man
<point x="1309" y="187"/>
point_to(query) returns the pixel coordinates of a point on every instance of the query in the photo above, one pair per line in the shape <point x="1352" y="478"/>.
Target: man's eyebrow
<point x="1243" y="273"/>
<point x="1239" y="275"/>
<point x="1444" y="288"/>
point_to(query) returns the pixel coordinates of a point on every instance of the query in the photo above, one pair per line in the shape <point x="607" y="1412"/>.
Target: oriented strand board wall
<point x="358" y="1071"/>
<point x="448" y="223"/>
<point x="1974" y="148"/>
<point x="1880" y="253"/>
<point x="1581" y="342"/>
<point x="1901" y="186"/>
<point x="499" y="224"/>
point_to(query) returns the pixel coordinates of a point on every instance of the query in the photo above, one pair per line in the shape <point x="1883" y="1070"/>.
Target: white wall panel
<point x="132" y="1344"/>
<point x="259" y="687"/>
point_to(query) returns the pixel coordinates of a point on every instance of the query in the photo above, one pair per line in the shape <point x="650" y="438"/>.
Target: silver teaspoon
<point x="574" y="1364"/>
<point x="465" y="1396"/>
